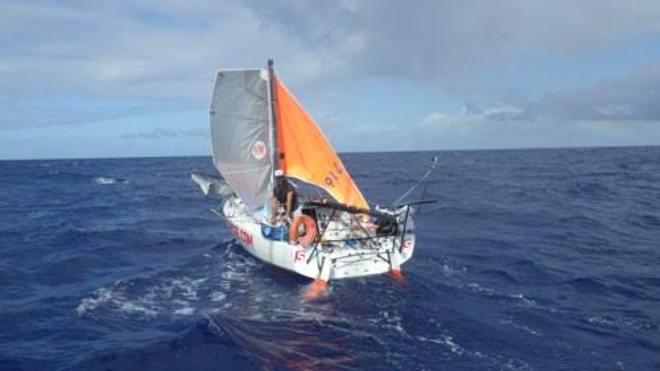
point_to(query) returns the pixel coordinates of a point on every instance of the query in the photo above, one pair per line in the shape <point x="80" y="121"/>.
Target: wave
<point x="517" y="299"/>
<point x="199" y="347"/>
<point x="529" y="260"/>
<point x="175" y="296"/>
<point x="636" y="324"/>
<point x="587" y="285"/>
<point x="487" y="360"/>
<point x="183" y="293"/>
<point x="296" y="343"/>
<point x="109" y="180"/>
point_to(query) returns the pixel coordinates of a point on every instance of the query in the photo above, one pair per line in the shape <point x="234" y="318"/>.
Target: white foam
<point x="116" y="299"/>
<point x="455" y="348"/>
<point x="187" y="287"/>
<point x="450" y="271"/>
<point x="437" y="341"/>
<point x="136" y="307"/>
<point x="520" y="327"/>
<point x="185" y="311"/>
<point x="447" y="341"/>
<point x="477" y="288"/>
<point x="89" y="304"/>
<point x="104" y="180"/>
<point x="630" y="323"/>
<point x="393" y="321"/>
<point x="218" y="296"/>
<point x="109" y="180"/>
<point x="175" y="296"/>
<point x="526" y="301"/>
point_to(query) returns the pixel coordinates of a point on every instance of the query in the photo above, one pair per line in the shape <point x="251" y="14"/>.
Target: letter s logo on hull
<point x="300" y="256"/>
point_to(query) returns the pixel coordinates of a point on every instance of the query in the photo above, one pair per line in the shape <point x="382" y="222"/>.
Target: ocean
<point x="542" y="259"/>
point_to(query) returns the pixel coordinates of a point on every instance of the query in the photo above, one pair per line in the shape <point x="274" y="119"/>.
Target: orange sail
<point x="305" y="153"/>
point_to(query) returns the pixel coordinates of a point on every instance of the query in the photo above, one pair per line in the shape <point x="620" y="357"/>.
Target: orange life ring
<point x="307" y="238"/>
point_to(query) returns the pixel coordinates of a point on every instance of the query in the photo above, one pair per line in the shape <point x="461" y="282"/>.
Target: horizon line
<point x="343" y="152"/>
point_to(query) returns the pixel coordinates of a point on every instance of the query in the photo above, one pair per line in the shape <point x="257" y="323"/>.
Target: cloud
<point x="163" y="53"/>
<point x="163" y="133"/>
<point x="471" y="114"/>
<point x="17" y="113"/>
<point x="154" y="53"/>
<point x="634" y="97"/>
<point x="169" y="49"/>
<point x="447" y="41"/>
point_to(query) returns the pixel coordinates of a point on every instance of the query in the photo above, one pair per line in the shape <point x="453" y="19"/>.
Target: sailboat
<point x="260" y="130"/>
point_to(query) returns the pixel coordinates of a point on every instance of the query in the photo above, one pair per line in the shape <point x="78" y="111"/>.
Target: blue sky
<point x="115" y="78"/>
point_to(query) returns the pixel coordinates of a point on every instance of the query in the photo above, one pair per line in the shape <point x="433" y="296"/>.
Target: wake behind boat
<point x="262" y="138"/>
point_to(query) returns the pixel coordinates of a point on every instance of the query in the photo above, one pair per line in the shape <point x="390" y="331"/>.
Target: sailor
<point x="284" y="195"/>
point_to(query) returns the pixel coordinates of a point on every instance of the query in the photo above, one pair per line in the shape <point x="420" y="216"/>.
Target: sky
<point x="134" y="78"/>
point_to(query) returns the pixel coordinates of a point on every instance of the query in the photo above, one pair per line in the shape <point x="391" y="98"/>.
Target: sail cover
<point x="240" y="122"/>
<point x="306" y="154"/>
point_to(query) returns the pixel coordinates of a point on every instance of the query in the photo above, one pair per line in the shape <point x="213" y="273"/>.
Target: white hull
<point x="327" y="260"/>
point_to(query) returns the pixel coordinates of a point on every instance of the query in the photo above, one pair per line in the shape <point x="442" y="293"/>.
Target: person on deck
<point x="284" y="194"/>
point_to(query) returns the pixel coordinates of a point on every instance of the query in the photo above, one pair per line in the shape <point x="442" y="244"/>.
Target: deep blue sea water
<point x="530" y="260"/>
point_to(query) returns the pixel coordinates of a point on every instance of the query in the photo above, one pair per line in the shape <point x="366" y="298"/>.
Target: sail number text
<point x="333" y="174"/>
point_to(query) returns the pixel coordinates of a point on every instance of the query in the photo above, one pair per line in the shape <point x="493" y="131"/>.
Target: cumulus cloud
<point x="17" y="113"/>
<point x="165" y="52"/>
<point x="634" y="97"/>
<point x="471" y="113"/>
<point x="448" y="41"/>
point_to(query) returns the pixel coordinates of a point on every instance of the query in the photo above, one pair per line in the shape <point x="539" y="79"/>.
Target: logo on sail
<point x="259" y="149"/>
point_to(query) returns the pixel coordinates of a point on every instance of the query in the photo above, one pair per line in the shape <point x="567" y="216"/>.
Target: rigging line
<point x="419" y="210"/>
<point x="404" y="230"/>
<point x="369" y="241"/>
<point x="420" y="181"/>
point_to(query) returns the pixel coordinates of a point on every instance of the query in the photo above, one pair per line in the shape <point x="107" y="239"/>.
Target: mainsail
<point x="304" y="152"/>
<point x="240" y="131"/>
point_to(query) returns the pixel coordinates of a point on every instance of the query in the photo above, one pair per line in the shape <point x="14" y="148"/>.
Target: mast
<point x="273" y="117"/>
